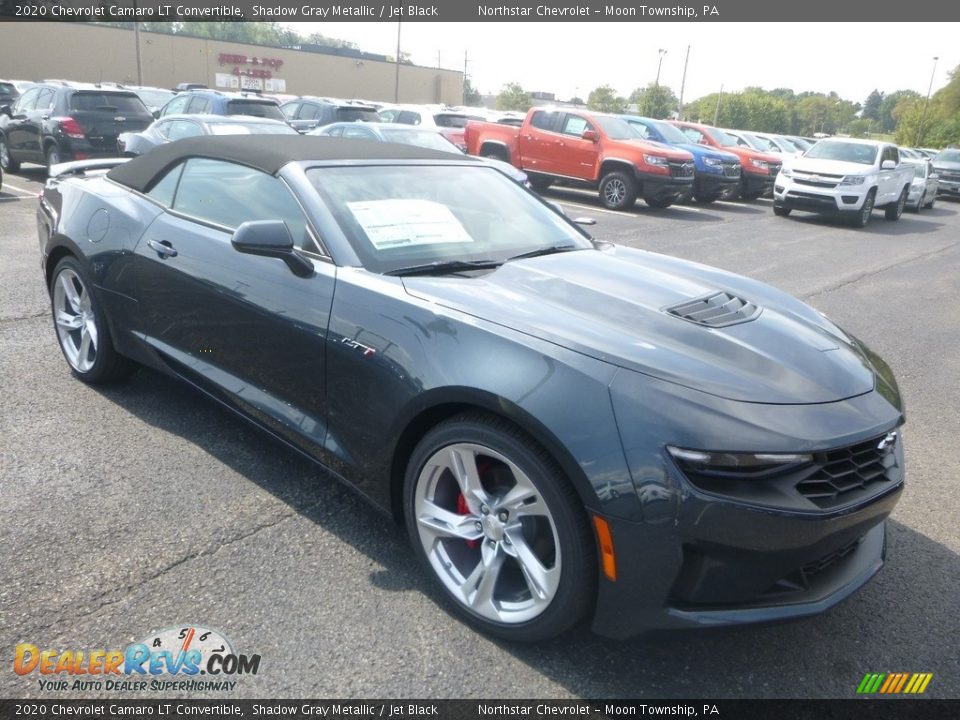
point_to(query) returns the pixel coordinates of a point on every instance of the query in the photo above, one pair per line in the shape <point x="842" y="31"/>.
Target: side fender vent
<point x="716" y="310"/>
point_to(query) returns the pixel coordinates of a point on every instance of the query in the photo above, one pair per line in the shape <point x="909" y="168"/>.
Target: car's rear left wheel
<point x="500" y="529"/>
<point x="7" y="162"/>
<point x="82" y="328"/>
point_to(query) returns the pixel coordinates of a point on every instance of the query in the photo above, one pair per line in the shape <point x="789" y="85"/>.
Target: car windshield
<point x="403" y="216"/>
<point x="254" y="109"/>
<point x="759" y="143"/>
<point x="451" y="121"/>
<point x="107" y="102"/>
<point x="155" y="98"/>
<point x="420" y="138"/>
<point x="801" y="144"/>
<point x="670" y="133"/>
<point x="844" y="151"/>
<point x="617" y="129"/>
<point x="353" y="114"/>
<point x="721" y="138"/>
<point x="242" y="128"/>
<point x="948" y="155"/>
<point x="8" y="88"/>
<point x="788" y="145"/>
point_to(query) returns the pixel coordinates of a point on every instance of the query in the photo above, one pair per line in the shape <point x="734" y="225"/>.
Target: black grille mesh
<point x="849" y="470"/>
<point x="717" y="310"/>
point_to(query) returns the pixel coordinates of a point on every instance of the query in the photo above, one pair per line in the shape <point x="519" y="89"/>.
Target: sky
<point x="570" y="58"/>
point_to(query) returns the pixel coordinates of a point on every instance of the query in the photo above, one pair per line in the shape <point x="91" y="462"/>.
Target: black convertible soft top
<point x="268" y="153"/>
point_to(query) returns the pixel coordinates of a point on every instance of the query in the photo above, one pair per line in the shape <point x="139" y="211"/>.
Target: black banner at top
<point x="473" y="11"/>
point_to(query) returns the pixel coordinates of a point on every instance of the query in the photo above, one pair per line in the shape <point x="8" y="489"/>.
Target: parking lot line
<point x="593" y="208"/>
<point x="27" y="193"/>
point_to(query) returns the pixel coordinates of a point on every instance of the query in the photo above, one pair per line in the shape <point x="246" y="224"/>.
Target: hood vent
<point x="717" y="310"/>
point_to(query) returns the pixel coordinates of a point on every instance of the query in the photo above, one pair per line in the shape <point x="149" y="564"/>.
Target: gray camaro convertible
<point x="568" y="430"/>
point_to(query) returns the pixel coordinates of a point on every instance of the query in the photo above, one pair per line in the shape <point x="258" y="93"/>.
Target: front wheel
<point x="618" y="190"/>
<point x="781" y="211"/>
<point x="658" y="203"/>
<point x="539" y="182"/>
<point x="933" y="201"/>
<point x="498" y="526"/>
<point x="893" y="211"/>
<point x="862" y="217"/>
<point x="7" y="162"/>
<point x="82" y="327"/>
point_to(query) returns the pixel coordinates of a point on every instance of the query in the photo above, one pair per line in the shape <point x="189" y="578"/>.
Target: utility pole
<point x="683" y="84"/>
<point x="923" y="116"/>
<point x="136" y="41"/>
<point x="716" y="113"/>
<point x="464" y="77"/>
<point x="396" y="79"/>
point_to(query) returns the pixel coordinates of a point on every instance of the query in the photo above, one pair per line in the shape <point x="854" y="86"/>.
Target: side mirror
<point x="590" y="136"/>
<point x="270" y="238"/>
<point x="156" y="114"/>
<point x="6" y="110"/>
<point x="888" y="165"/>
<point x="934" y="176"/>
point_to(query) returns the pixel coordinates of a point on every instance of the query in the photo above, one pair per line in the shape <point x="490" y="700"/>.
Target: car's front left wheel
<point x="500" y="528"/>
<point x="82" y="327"/>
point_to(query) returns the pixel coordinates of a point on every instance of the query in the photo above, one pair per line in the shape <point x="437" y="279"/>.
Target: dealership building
<point x="93" y="53"/>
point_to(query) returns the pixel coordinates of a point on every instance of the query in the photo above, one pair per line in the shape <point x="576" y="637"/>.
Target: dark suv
<point x="215" y="102"/>
<point x="8" y="93"/>
<point x="52" y="123"/>
<point x="307" y="113"/>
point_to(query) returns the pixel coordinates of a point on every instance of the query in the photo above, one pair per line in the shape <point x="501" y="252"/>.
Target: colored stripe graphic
<point x="894" y="683"/>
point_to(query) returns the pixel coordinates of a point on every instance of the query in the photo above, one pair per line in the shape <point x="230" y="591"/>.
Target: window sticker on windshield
<point x="398" y="223"/>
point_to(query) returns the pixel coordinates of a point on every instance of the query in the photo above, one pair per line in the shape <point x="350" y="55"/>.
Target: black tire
<point x="539" y="182"/>
<point x="893" y="211"/>
<point x="659" y="203"/>
<point x="7" y="163"/>
<point x="108" y="365"/>
<point x="52" y="156"/>
<point x="933" y="201"/>
<point x="862" y="216"/>
<point x="781" y="211"/>
<point x="618" y="190"/>
<point x="495" y="154"/>
<point x="574" y="551"/>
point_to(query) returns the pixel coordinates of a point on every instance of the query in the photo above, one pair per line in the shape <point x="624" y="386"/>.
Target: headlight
<point x="786" y="172"/>
<point x="759" y="164"/>
<point x="712" y="162"/>
<point x="655" y="160"/>
<point x="737" y="464"/>
<point x="853" y="180"/>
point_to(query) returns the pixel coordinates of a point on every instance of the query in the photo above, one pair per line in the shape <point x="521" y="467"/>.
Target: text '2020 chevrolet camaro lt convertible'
<point x="567" y="429"/>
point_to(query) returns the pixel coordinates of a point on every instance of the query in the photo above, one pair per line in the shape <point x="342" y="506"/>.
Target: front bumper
<point x="754" y="184"/>
<point x="714" y="184"/>
<point x="948" y="188"/>
<point x="662" y="187"/>
<point x="789" y="194"/>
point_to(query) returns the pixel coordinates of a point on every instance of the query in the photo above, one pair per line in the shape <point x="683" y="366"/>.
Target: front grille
<point x="950" y="177"/>
<point x="678" y="169"/>
<point x="717" y="310"/>
<point x="800" y="580"/>
<point x="850" y="471"/>
<point x="815" y="183"/>
<point x="731" y="169"/>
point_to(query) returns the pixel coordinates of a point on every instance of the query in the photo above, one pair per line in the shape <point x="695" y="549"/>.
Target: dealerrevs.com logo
<point x="167" y="661"/>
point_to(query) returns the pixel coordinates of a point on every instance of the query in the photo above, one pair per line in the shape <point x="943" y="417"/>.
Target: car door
<point x="538" y="142"/>
<point x="34" y="122"/>
<point x="887" y="186"/>
<point x="241" y="326"/>
<point x="306" y="118"/>
<point x="15" y="130"/>
<point x="574" y="156"/>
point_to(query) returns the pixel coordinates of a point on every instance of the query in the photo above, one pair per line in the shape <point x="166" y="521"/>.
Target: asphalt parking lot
<point x="143" y="506"/>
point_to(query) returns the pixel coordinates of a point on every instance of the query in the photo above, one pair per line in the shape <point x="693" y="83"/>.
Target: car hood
<point x="611" y="305"/>
<point x="829" y="167"/>
<point x="946" y="165"/>
<point x="672" y="152"/>
<point x="707" y="151"/>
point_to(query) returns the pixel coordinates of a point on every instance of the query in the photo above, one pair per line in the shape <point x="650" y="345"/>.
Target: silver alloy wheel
<point x="487" y="533"/>
<point x="614" y="191"/>
<point x="901" y="202"/>
<point x="75" y="320"/>
<point x="53" y="157"/>
<point x="867" y="209"/>
<point x="4" y="154"/>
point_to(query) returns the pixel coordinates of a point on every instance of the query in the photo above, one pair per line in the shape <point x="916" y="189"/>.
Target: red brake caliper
<point x="463" y="509"/>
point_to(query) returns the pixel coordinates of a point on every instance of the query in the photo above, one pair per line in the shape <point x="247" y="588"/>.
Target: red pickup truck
<point x="587" y="149"/>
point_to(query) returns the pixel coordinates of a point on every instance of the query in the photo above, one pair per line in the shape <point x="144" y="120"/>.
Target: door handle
<point x="163" y="248"/>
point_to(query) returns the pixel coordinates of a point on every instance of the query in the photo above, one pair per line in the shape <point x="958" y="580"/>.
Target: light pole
<point x="396" y="79"/>
<point x="660" y="65"/>
<point x="683" y="84"/>
<point x="923" y="115"/>
<point x="136" y="42"/>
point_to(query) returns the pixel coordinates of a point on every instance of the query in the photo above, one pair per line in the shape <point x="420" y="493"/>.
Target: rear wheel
<point x="6" y="161"/>
<point x="539" y="182"/>
<point x="500" y="529"/>
<point x="893" y="211"/>
<point x="82" y="327"/>
<point x="618" y="190"/>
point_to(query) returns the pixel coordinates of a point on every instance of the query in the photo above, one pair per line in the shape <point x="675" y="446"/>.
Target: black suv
<point x="307" y="113"/>
<point x="215" y="102"/>
<point x="53" y="123"/>
<point x="8" y="93"/>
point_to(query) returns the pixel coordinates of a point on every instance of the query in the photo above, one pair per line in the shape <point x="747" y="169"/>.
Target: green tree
<point x="512" y="96"/>
<point x="655" y="101"/>
<point x="887" y="121"/>
<point x="871" y="106"/>
<point x="471" y="96"/>
<point x="605" y="99"/>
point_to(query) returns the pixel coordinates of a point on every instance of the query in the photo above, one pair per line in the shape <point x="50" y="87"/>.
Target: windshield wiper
<point x="548" y="250"/>
<point x="441" y="267"/>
